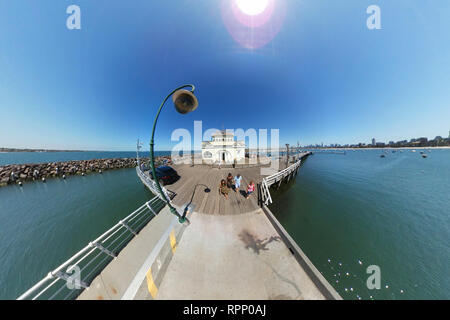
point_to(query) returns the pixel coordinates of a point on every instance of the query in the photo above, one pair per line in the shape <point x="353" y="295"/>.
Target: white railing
<point x="152" y="184"/>
<point x="265" y="192"/>
<point x="73" y="276"/>
<point x="277" y="177"/>
<point x="282" y="174"/>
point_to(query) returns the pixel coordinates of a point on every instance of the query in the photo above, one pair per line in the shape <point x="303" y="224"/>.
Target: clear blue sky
<point x="324" y="77"/>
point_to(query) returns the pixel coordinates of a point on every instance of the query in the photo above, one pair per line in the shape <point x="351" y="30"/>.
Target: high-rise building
<point x="373" y="141"/>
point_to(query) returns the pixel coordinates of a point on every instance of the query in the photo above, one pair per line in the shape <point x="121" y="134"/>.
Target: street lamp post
<point x="185" y="102"/>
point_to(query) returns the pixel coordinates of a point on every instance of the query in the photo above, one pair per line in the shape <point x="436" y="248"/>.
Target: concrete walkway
<point x="127" y="272"/>
<point x="234" y="257"/>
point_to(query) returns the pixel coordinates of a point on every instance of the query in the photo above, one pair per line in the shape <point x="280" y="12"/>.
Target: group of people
<point x="234" y="183"/>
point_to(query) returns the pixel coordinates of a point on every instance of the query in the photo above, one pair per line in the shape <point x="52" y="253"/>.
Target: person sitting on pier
<point x="250" y="189"/>
<point x="230" y="181"/>
<point x="223" y="189"/>
<point x="237" y="182"/>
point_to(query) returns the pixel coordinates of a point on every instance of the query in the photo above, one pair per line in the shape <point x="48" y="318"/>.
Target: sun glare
<point x="252" y="7"/>
<point x="253" y="23"/>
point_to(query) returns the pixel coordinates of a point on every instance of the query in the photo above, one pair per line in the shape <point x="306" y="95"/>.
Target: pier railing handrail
<point x="283" y="173"/>
<point x="269" y="180"/>
<point x="104" y="247"/>
<point x="152" y="184"/>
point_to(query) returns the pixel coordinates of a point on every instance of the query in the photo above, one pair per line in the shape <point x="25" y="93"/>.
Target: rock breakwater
<point x="18" y="173"/>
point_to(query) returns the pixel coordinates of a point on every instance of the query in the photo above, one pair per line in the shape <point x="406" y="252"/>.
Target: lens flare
<point x="253" y="23"/>
<point x="252" y="7"/>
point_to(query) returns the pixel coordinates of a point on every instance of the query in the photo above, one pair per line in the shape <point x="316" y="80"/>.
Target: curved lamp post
<point x="185" y="102"/>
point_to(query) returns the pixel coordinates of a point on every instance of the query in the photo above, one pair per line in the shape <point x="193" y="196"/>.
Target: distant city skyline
<point x="311" y="69"/>
<point x="422" y="141"/>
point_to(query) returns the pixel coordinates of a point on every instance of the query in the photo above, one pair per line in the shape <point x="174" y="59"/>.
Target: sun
<point x="252" y="7"/>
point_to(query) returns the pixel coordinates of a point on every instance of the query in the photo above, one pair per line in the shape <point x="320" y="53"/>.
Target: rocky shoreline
<point x="19" y="173"/>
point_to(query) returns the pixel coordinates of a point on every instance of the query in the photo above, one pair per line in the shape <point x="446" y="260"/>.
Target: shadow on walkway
<point x="257" y="245"/>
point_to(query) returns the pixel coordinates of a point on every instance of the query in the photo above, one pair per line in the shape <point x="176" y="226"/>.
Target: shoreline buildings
<point x="423" y="142"/>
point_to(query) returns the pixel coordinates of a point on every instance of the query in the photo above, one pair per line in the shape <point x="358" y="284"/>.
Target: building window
<point x="207" y="154"/>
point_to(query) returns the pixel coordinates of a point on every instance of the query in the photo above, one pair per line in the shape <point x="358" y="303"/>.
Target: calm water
<point x="44" y="224"/>
<point x="39" y="157"/>
<point x="359" y="209"/>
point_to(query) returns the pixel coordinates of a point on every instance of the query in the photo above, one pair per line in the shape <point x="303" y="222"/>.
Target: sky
<point x="310" y="68"/>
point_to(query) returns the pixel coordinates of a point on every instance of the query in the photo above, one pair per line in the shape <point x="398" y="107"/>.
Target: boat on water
<point x="413" y="150"/>
<point x="382" y="156"/>
<point x="424" y="155"/>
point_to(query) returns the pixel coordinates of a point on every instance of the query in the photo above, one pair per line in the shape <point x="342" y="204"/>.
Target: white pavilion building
<point x="223" y="149"/>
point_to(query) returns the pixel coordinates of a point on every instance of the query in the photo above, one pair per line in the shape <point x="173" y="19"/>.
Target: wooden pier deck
<point x="190" y="188"/>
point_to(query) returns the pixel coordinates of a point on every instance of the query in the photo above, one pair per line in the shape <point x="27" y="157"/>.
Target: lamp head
<point x="185" y="101"/>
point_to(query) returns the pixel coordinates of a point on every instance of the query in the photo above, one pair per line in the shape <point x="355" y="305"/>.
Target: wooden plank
<point x="216" y="204"/>
<point x="183" y="191"/>
<point x="236" y="202"/>
<point x="194" y="192"/>
<point x="199" y="176"/>
<point x="222" y="202"/>
<point x="227" y="208"/>
<point x="211" y="182"/>
<point x="201" y="208"/>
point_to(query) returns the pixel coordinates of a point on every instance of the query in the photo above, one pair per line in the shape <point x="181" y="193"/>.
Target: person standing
<point x="237" y="182"/>
<point x="250" y="189"/>
<point x="230" y="181"/>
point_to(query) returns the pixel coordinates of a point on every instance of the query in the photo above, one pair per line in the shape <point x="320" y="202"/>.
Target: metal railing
<point x="152" y="185"/>
<point x="277" y="177"/>
<point x="282" y="174"/>
<point x="265" y="193"/>
<point x="73" y="276"/>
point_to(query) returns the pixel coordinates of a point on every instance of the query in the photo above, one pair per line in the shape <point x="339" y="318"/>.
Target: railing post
<point x="127" y="227"/>
<point x="150" y="207"/>
<point x="102" y="248"/>
<point x="65" y="277"/>
<point x="279" y="183"/>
